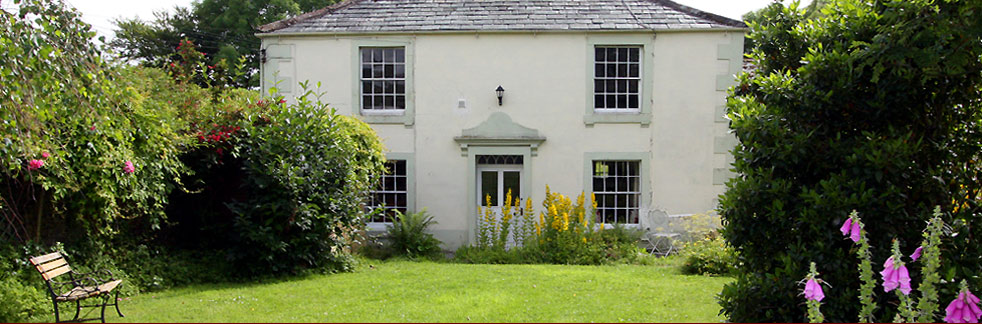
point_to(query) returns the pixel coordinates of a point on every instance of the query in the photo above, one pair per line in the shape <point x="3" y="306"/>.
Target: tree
<point x="812" y="11"/>
<point x="874" y="106"/>
<point x="223" y="29"/>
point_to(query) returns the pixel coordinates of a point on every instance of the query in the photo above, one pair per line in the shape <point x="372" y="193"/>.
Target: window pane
<point x="400" y="71"/>
<point x="611" y="54"/>
<point x="600" y="54"/>
<point x="400" y="87"/>
<point x="633" y="56"/>
<point x="632" y="86"/>
<point x="401" y="184"/>
<point x="622" y="54"/>
<point x="489" y="187"/>
<point x="622" y="70"/>
<point x="366" y="71"/>
<point x="621" y="86"/>
<point x="376" y="55"/>
<point x="622" y="101"/>
<point x="389" y="71"/>
<point x="632" y="101"/>
<point x="388" y="87"/>
<point x="512" y="180"/>
<point x="598" y="86"/>
<point x="377" y="71"/>
<point x="634" y="70"/>
<point x="366" y="55"/>
<point x="598" y="101"/>
<point x="366" y="87"/>
<point x="611" y="101"/>
<point x="599" y="69"/>
<point x="400" y="55"/>
<point x="390" y="55"/>
<point x="612" y="70"/>
<point x="390" y="102"/>
<point x="400" y="102"/>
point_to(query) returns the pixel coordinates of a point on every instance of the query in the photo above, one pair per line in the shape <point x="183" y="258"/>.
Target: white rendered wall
<point x="545" y="80"/>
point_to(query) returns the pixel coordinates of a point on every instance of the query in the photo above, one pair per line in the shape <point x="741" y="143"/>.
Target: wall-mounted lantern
<point x="501" y="93"/>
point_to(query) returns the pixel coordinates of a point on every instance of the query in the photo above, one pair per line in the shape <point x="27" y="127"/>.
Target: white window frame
<point x="637" y="192"/>
<point x="362" y="80"/>
<point x="394" y="176"/>
<point x="641" y="116"/>
<point x="639" y="91"/>
<point x="372" y="116"/>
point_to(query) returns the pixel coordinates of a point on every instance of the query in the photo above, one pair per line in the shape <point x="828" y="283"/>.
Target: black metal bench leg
<point x="117" y="304"/>
<point x="78" y="309"/>
<point x="105" y="300"/>
<point x="57" y="319"/>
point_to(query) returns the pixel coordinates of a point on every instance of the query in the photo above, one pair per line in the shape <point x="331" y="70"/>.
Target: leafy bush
<point x="409" y="237"/>
<point x="24" y="297"/>
<point x="296" y="176"/>
<point x="873" y="107"/>
<point x="709" y="256"/>
<point x="82" y="152"/>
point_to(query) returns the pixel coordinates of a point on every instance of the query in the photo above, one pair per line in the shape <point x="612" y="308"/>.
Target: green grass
<point x="404" y="291"/>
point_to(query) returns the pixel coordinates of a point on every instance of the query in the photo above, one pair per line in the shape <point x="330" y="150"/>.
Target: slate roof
<point x="385" y="16"/>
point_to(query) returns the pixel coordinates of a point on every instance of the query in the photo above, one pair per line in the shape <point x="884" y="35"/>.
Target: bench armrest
<point x="101" y="275"/>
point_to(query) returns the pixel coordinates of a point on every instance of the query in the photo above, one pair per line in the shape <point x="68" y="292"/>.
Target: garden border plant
<point x="963" y="309"/>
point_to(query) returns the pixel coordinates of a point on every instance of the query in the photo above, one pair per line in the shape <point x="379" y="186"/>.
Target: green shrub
<point x="83" y="151"/>
<point x="24" y="296"/>
<point x="408" y="235"/>
<point x="709" y="256"/>
<point x="873" y="107"/>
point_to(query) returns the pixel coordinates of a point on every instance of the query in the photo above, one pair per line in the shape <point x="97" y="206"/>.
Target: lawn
<point x="404" y="291"/>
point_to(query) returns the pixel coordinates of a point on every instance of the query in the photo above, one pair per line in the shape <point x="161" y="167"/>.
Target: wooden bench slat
<point x="45" y="267"/>
<point x="89" y="291"/>
<point x="56" y="272"/>
<point x="45" y="258"/>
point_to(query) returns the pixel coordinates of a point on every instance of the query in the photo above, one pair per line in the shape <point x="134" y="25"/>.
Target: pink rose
<point x="128" y="167"/>
<point x="34" y="164"/>
<point x="45" y="155"/>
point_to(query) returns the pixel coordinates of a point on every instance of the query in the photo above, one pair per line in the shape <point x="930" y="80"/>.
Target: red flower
<point x="92" y="128"/>
<point x="128" y="167"/>
<point x="34" y="164"/>
<point x="45" y="155"/>
<point x="282" y="101"/>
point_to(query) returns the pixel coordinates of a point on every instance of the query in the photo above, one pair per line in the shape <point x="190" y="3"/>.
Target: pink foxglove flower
<point x="895" y="277"/>
<point x="128" y="167"/>
<point x="964" y="309"/>
<point x="45" y="155"/>
<point x="34" y="164"/>
<point x="850" y="228"/>
<point x="917" y="254"/>
<point x="813" y="291"/>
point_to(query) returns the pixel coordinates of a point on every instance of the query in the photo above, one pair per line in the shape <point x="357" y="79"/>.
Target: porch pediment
<point x="499" y="130"/>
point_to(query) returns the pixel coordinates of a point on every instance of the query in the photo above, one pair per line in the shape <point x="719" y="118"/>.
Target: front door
<point x="494" y="181"/>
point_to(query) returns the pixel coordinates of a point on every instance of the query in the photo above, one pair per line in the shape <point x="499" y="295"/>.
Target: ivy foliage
<point x="873" y="106"/>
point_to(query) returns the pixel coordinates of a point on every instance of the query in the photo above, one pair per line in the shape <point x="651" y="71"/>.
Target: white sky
<point x="99" y="13"/>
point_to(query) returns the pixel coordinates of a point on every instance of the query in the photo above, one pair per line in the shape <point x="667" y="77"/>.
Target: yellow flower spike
<point x="584" y="240"/>
<point x="565" y="221"/>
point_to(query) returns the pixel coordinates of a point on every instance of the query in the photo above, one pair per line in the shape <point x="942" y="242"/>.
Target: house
<point x="622" y="98"/>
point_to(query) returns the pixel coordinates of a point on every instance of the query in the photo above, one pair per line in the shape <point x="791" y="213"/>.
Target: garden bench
<point x="80" y="286"/>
